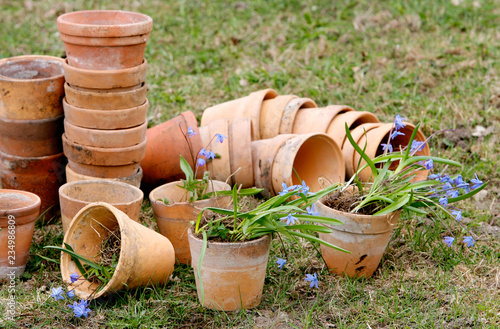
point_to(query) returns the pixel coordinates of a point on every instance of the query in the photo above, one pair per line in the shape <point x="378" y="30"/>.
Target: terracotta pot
<point x="288" y="118"/>
<point x="134" y="180"/>
<point x="232" y="273"/>
<point x="104" y="39"/>
<point x="105" y="138"/>
<point x="349" y="151"/>
<point x="97" y="119"/>
<point x="40" y="175"/>
<point x="31" y="87"/>
<point x="162" y="164"/>
<point x="271" y="113"/>
<point x="18" y="213"/>
<point x="175" y="219"/>
<point x="99" y="156"/>
<point x="220" y="168"/>
<point x="106" y="100"/>
<point x="366" y="237"/>
<point x="245" y="107"/>
<point x="146" y="257"/>
<point x="102" y="79"/>
<point x="336" y="130"/>
<point x="317" y="120"/>
<point x="31" y="138"/>
<point x="76" y="195"/>
<point x="104" y="171"/>
<point x="379" y="135"/>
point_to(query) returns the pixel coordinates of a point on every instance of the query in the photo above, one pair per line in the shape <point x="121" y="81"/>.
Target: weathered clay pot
<point x="336" y="130"/>
<point x="110" y="99"/>
<point x="161" y="164"/>
<point x="104" y="171"/>
<point x="349" y="151"/>
<point x="31" y="87"/>
<point x="317" y="120"/>
<point x="18" y="212"/>
<point x="31" y="138"/>
<point x="174" y="219"/>
<point x="105" y="138"/>
<point x="245" y="107"/>
<point x="134" y="180"/>
<point x="103" y="119"/>
<point x="40" y="175"/>
<point x="271" y="113"/>
<point x="102" y="79"/>
<point x="366" y="237"/>
<point x="146" y="257"/>
<point x="104" y="39"/>
<point x="291" y="110"/>
<point x="76" y="195"/>
<point x="232" y="273"/>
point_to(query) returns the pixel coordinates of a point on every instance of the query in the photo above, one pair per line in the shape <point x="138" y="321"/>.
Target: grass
<point x="430" y="61"/>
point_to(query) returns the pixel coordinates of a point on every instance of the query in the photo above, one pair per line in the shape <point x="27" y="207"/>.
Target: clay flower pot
<point x="97" y="79"/>
<point x="76" y="195"/>
<point x="31" y="87"/>
<point x="349" y="151"/>
<point x="161" y="164"/>
<point x="104" y="39"/>
<point x="336" y="130"/>
<point x="315" y="158"/>
<point x="40" y="175"/>
<point x="18" y="213"/>
<point x="317" y="120"/>
<point x="146" y="257"/>
<point x="290" y="112"/>
<point x="174" y="219"/>
<point x="232" y="273"/>
<point x="104" y="119"/>
<point x="105" y="138"/>
<point x="245" y="107"/>
<point x="31" y="138"/>
<point x="115" y="172"/>
<point x="366" y="237"/>
<point x="134" y="180"/>
<point x="271" y="113"/>
<point x="109" y="99"/>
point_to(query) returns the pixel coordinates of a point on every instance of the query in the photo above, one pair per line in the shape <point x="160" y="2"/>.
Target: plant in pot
<point x="371" y="210"/>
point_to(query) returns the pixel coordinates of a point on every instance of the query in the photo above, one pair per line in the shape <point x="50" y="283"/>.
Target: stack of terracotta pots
<point x="105" y="104"/>
<point x="31" y="124"/>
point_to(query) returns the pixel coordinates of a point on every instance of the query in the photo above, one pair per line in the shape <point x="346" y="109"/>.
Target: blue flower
<point x="452" y="193"/>
<point x="285" y="190"/>
<point x="57" y="293"/>
<point x="447" y="186"/>
<point x="476" y="182"/>
<point x="443" y="201"/>
<point x="459" y="180"/>
<point x="203" y="152"/>
<point x="417" y="146"/>
<point x="303" y="188"/>
<point x="446" y="179"/>
<point x="398" y="122"/>
<point x="74" y="277"/>
<point x="80" y="308"/>
<point x="220" y="138"/>
<point x="449" y="240"/>
<point x="200" y="162"/>
<point x="313" y="279"/>
<point x="210" y="155"/>
<point x="191" y="132"/>
<point x="280" y="262"/>
<point x="396" y="133"/>
<point x="469" y="240"/>
<point x="435" y="176"/>
<point x="71" y="294"/>
<point x="457" y="214"/>
<point x="387" y="147"/>
<point x="310" y="211"/>
<point x="290" y="220"/>
<point x="429" y="164"/>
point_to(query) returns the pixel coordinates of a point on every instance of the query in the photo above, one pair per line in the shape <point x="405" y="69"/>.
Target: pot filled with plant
<point x="371" y="210"/>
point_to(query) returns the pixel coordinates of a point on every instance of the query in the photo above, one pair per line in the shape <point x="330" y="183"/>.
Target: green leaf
<point x="313" y="238"/>
<point x="187" y="170"/>
<point x="399" y="203"/>
<point x="309" y="227"/>
<point x="369" y="161"/>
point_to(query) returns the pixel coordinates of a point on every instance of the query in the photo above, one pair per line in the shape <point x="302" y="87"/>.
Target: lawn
<point x="429" y="61"/>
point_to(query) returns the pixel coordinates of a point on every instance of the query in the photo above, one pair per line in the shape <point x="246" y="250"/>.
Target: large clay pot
<point x="232" y="273"/>
<point x="366" y="237"/>
<point x="104" y="39"/>
<point x="105" y="138"/>
<point x="76" y="195"/>
<point x="290" y="112"/>
<point x="110" y="99"/>
<point x="104" y="119"/>
<point x="104" y="171"/>
<point x="97" y="79"/>
<point x="317" y="120"/>
<point x="349" y="151"/>
<point x="166" y="142"/>
<point x="31" y="138"/>
<point x="146" y="257"/>
<point x="271" y="113"/>
<point x="174" y="219"/>
<point x="134" y="180"/>
<point x="31" y="87"/>
<point x="336" y="130"/>
<point x="18" y="212"/>
<point x="245" y="107"/>
<point x="40" y="175"/>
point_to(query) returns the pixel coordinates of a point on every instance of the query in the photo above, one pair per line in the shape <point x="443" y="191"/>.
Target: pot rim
<point x="81" y="177"/>
<point x="33" y="121"/>
<point x="112" y="150"/>
<point x="22" y="211"/>
<point x="107" y="132"/>
<point x="105" y="92"/>
<point x="11" y="157"/>
<point x="138" y="192"/>
<point x="232" y="245"/>
<point x="52" y="59"/>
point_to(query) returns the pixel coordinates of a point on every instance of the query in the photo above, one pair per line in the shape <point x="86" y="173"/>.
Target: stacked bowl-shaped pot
<point x="105" y="105"/>
<point x="31" y="124"/>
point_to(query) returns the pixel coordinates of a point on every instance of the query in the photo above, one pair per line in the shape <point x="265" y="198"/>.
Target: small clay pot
<point x="102" y="119"/>
<point x="134" y="180"/>
<point x="31" y="138"/>
<point x="104" y="39"/>
<point x="317" y="120"/>
<point x="106" y="100"/>
<point x="40" y="175"/>
<point x="101" y="79"/>
<point x="105" y="138"/>
<point x="336" y="130"/>
<point x="290" y="112"/>
<point x="146" y="257"/>
<point x="76" y="195"/>
<point x="271" y="113"/>
<point x="31" y="87"/>
<point x="18" y="213"/>
<point x="104" y="171"/>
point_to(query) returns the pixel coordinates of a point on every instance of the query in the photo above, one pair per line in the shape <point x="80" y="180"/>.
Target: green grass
<point x="430" y="61"/>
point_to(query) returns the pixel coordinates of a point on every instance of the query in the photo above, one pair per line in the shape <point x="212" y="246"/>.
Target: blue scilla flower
<point x="398" y="122"/>
<point x="457" y="214"/>
<point x="220" y="138"/>
<point x="281" y="262"/>
<point x="290" y="220"/>
<point x="57" y="293"/>
<point x="449" y="240"/>
<point x="191" y="132"/>
<point x="476" y="182"/>
<point x="313" y="278"/>
<point x="417" y="146"/>
<point x="387" y="147"/>
<point x="469" y="240"/>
